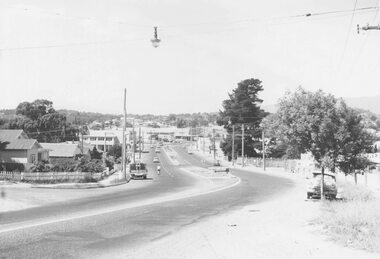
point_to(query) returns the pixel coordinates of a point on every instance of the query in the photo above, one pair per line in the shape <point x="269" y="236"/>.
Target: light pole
<point x="263" y="142"/>
<point x="233" y="142"/>
<point x="242" y="145"/>
<point x="123" y="146"/>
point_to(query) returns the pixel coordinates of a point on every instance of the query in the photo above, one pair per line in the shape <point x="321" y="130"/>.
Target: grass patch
<point x="353" y="221"/>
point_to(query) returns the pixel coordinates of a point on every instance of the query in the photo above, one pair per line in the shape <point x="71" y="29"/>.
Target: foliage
<point x="91" y="166"/>
<point x="3" y="145"/>
<point x="323" y="125"/>
<point x="95" y="154"/>
<point x="39" y="120"/>
<point x="115" y="151"/>
<point x="242" y="107"/>
<point x="13" y="167"/>
<point x="64" y="165"/>
<point x="40" y="166"/>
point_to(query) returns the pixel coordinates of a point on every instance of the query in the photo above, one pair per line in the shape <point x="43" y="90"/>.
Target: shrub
<point x="64" y="165"/>
<point x="13" y="167"/>
<point x="40" y="166"/>
<point x="91" y="166"/>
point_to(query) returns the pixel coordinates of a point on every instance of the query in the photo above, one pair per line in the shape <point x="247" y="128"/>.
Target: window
<point x="32" y="158"/>
<point x="101" y="139"/>
<point x="109" y="139"/>
<point x="93" y="139"/>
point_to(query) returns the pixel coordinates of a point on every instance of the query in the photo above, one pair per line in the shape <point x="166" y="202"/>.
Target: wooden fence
<point x="49" y="176"/>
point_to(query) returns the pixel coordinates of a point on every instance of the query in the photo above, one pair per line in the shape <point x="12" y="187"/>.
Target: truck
<point x="138" y="170"/>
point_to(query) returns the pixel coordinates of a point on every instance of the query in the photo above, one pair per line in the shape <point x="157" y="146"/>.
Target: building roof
<point x="9" y="135"/>
<point x="17" y="140"/>
<point x="22" y="144"/>
<point x="61" y="149"/>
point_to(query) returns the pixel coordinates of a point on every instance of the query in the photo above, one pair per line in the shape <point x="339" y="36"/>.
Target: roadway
<point x="111" y="234"/>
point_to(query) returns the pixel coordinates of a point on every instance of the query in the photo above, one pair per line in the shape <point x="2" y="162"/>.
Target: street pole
<point x="233" y="145"/>
<point x="263" y="141"/>
<point x="204" y="135"/>
<point x="213" y="133"/>
<point x="134" y="142"/>
<point x="140" y="143"/>
<point x="81" y="133"/>
<point x="242" y="145"/>
<point x="123" y="145"/>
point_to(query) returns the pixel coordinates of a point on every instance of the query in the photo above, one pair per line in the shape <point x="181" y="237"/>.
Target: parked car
<point x="138" y="170"/>
<point x="156" y="160"/>
<point x="329" y="187"/>
<point x="189" y="151"/>
<point x="158" y="150"/>
<point x="218" y="168"/>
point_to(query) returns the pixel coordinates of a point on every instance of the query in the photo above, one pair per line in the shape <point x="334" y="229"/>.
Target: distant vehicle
<point x="156" y="160"/>
<point x="158" y="150"/>
<point x="189" y="151"/>
<point x="218" y="168"/>
<point x="329" y="187"/>
<point x="138" y="170"/>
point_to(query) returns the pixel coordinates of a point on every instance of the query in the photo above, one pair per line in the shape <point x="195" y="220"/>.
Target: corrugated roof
<point x="61" y="149"/>
<point x="22" y="144"/>
<point x="9" y="135"/>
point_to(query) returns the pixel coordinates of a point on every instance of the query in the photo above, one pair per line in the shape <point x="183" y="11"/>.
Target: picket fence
<point x="53" y="176"/>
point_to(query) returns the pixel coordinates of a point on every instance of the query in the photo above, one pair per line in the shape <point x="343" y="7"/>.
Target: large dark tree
<point x="243" y="108"/>
<point x="40" y="121"/>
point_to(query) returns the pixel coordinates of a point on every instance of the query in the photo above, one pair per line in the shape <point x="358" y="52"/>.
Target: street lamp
<point x="233" y="141"/>
<point x="155" y="41"/>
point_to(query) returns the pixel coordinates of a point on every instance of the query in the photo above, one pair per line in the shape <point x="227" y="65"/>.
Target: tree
<point x="242" y="108"/>
<point x="3" y="145"/>
<point x="40" y="121"/>
<point x="95" y="154"/>
<point x="115" y="151"/>
<point x="323" y="125"/>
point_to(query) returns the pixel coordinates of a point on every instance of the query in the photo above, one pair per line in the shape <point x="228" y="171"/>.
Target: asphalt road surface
<point x="108" y="235"/>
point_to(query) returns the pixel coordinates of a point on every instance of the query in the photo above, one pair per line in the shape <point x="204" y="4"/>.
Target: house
<point x="21" y="149"/>
<point x="102" y="140"/>
<point x="64" y="150"/>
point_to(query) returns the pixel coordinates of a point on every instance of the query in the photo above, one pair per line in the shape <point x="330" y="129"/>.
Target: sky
<point x="81" y="54"/>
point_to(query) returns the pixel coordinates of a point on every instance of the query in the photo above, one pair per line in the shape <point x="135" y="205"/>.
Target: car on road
<point x="218" y="168"/>
<point x="329" y="187"/>
<point x="156" y="160"/>
<point x="189" y="152"/>
<point x="158" y="150"/>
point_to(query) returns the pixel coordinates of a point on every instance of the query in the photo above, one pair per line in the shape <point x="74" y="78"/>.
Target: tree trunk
<point x="355" y="177"/>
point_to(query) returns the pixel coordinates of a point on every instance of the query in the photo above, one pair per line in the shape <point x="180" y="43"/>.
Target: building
<point x="21" y="149"/>
<point x="64" y="150"/>
<point x="102" y="140"/>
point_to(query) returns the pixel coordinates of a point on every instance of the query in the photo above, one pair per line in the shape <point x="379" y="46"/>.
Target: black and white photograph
<point x="203" y="129"/>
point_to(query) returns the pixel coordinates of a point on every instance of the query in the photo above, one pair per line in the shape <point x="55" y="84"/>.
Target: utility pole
<point x="134" y="142"/>
<point x="105" y="143"/>
<point x="204" y="137"/>
<point x="140" y="143"/>
<point x="263" y="141"/>
<point x="242" y="145"/>
<point x="123" y="145"/>
<point x="233" y="144"/>
<point x="81" y="142"/>
<point x="213" y="145"/>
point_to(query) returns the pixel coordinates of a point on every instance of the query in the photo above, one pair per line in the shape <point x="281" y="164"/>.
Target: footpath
<point x="277" y="228"/>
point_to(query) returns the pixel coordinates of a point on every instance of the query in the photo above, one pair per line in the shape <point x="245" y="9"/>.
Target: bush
<point x="91" y="166"/>
<point x="64" y="165"/>
<point x="40" y="166"/>
<point x="13" y="167"/>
